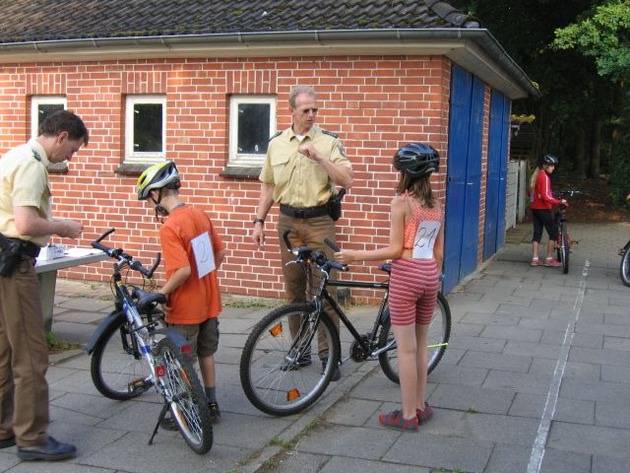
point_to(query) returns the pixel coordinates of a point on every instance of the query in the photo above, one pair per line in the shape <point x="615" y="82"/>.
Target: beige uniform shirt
<point x="24" y="183"/>
<point x="298" y="180"/>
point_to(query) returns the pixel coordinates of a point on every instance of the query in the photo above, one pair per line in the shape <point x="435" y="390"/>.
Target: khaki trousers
<point x="309" y="232"/>
<point x="23" y="359"/>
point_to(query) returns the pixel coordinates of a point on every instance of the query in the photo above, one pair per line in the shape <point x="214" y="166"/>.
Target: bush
<point x="620" y="173"/>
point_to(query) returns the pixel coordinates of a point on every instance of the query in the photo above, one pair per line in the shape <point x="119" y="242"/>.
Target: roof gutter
<point x="474" y="49"/>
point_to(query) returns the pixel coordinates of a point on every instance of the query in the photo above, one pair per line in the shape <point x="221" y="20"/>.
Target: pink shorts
<point x="413" y="289"/>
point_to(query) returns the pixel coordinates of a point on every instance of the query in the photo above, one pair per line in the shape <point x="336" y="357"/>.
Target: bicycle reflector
<point x="160" y="370"/>
<point x="293" y="394"/>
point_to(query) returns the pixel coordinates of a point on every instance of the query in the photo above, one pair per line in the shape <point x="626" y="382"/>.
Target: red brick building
<point x="205" y="83"/>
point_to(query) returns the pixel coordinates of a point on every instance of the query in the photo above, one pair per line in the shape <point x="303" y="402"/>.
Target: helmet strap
<point x="160" y="211"/>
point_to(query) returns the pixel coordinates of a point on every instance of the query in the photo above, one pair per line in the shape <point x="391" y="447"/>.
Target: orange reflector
<point x="160" y="371"/>
<point x="276" y="330"/>
<point x="293" y="394"/>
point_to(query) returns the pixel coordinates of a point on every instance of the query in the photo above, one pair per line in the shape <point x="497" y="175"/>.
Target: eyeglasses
<point x="313" y="109"/>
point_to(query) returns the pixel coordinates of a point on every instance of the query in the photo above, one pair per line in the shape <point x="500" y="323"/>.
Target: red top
<point x="542" y="198"/>
<point x="198" y="299"/>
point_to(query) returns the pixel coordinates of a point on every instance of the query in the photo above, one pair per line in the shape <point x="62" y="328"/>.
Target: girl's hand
<point x="345" y="256"/>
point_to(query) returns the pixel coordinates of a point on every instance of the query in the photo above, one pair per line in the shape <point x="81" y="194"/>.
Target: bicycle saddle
<point x="147" y="301"/>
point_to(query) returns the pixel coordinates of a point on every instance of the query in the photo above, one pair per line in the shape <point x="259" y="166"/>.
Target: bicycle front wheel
<point x="117" y="368"/>
<point x="625" y="266"/>
<point x="187" y="399"/>
<point x="279" y="372"/>
<point x="437" y="338"/>
<point x="565" y="248"/>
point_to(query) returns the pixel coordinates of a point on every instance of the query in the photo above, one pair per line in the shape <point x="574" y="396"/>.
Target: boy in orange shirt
<point x="193" y="252"/>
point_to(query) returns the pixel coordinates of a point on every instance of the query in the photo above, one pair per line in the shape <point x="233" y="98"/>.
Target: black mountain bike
<point x="563" y="242"/>
<point x="133" y="352"/>
<point x="281" y="375"/>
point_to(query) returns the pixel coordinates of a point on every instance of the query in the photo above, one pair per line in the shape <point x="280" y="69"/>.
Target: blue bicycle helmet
<point x="417" y="160"/>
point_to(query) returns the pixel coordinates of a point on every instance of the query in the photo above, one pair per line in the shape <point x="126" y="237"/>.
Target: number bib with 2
<point x="425" y="239"/>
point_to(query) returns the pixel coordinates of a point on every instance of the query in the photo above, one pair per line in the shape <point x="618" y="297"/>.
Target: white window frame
<point x="131" y="155"/>
<point x="237" y="159"/>
<point x="36" y="101"/>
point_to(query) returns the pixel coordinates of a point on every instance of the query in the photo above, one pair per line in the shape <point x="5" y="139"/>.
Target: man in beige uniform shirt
<point x="304" y="164"/>
<point x="25" y="219"/>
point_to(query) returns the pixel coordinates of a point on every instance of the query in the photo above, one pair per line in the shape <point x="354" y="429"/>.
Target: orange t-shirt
<point x="198" y="299"/>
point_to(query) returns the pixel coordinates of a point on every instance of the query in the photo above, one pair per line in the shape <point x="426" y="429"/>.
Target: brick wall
<point x="375" y="104"/>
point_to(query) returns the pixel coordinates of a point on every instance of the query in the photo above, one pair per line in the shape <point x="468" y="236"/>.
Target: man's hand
<point x="258" y="235"/>
<point x="71" y="229"/>
<point x="308" y="150"/>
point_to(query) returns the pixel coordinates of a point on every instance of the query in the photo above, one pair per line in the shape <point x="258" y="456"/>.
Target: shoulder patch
<point x="275" y="136"/>
<point x="330" y="133"/>
<point x="36" y="156"/>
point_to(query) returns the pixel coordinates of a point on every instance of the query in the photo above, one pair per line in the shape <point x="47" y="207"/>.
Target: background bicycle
<point x="564" y="242"/>
<point x="132" y="351"/>
<point x="280" y="370"/>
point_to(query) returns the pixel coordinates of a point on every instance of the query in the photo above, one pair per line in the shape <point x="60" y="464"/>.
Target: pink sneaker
<point x="552" y="262"/>
<point x="424" y="415"/>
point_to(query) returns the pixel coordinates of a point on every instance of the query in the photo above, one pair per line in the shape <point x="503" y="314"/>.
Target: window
<point x="252" y="123"/>
<point x="145" y="128"/>
<point x="41" y="107"/>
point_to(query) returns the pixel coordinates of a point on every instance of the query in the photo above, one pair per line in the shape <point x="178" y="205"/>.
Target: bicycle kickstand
<point x="159" y="421"/>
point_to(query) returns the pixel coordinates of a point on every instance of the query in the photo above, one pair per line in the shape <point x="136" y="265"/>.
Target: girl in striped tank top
<point x="416" y="246"/>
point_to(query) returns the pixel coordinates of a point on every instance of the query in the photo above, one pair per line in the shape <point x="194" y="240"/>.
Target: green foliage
<point x="620" y="173"/>
<point x="602" y="35"/>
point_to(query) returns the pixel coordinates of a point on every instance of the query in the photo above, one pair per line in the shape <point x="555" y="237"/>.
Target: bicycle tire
<point x="624" y="268"/>
<point x="438" y="337"/>
<point x="279" y="375"/>
<point x="117" y="368"/>
<point x="566" y="247"/>
<point x="187" y="403"/>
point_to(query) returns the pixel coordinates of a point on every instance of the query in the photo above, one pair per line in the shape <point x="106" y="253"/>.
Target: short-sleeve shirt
<point x="24" y="183"/>
<point x="197" y="299"/>
<point x="298" y="180"/>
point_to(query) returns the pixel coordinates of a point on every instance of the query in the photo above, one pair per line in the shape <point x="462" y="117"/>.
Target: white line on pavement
<point x="538" y="449"/>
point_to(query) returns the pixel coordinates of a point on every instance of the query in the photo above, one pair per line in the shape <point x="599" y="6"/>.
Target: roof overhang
<point x="473" y="49"/>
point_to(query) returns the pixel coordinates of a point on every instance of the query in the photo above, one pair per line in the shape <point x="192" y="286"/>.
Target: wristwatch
<point x="261" y="220"/>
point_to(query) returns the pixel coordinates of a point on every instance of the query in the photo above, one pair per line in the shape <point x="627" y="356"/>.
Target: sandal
<point x="535" y="262"/>
<point x="424" y="415"/>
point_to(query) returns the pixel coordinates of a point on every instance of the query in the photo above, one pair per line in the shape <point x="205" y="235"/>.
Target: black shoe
<point x="215" y="413"/>
<point x="6" y="443"/>
<point x="168" y="423"/>
<point x="50" y="450"/>
<point x="336" y="373"/>
<point x="302" y="362"/>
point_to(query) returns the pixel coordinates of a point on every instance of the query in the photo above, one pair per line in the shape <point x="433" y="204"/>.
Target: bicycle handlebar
<point x="319" y="257"/>
<point x="124" y="258"/>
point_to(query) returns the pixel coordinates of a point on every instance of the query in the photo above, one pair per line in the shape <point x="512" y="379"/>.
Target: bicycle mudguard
<point x="179" y="340"/>
<point x="112" y="318"/>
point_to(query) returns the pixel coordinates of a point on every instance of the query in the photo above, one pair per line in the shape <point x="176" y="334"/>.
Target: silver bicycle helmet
<point x="549" y="159"/>
<point x="417" y="159"/>
<point x="157" y="176"/>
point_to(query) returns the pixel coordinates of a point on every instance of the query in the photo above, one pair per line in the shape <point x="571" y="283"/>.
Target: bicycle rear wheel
<point x="564" y="248"/>
<point x="438" y="336"/>
<point x="279" y="374"/>
<point x="117" y="368"/>
<point x="188" y="403"/>
<point x="624" y="268"/>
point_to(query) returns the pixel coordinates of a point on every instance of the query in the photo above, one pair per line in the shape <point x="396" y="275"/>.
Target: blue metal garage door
<point x="494" y="229"/>
<point x="463" y="177"/>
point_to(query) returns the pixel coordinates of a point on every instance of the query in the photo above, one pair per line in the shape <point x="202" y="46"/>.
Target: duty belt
<point x="306" y="212"/>
<point x="27" y="248"/>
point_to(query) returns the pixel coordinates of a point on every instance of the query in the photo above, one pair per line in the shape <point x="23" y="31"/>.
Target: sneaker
<point x="336" y="373"/>
<point x="395" y="420"/>
<point x="552" y="263"/>
<point x="215" y="413"/>
<point x="50" y="450"/>
<point x="424" y="415"/>
<point x="535" y="262"/>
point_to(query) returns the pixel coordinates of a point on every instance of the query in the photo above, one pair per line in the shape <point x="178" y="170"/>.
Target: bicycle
<point x="132" y="352"/>
<point x="278" y="372"/>
<point x="624" y="267"/>
<point x="563" y="239"/>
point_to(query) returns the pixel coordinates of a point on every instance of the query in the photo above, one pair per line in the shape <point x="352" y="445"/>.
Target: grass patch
<point x="58" y="346"/>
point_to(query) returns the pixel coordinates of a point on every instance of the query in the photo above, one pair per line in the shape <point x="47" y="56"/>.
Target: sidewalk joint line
<point x="538" y="449"/>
